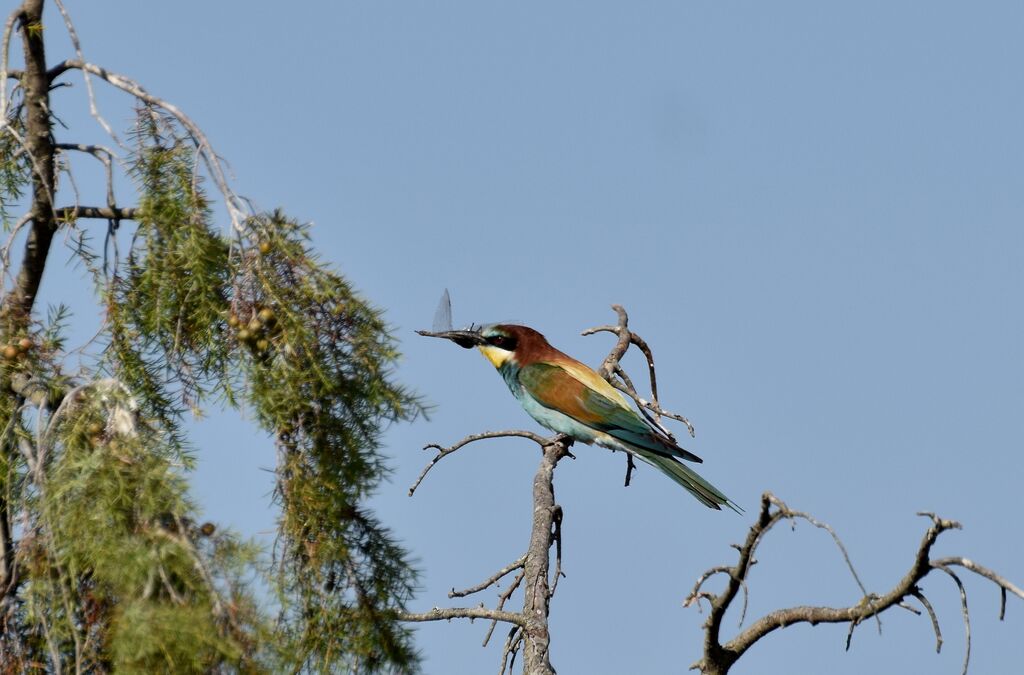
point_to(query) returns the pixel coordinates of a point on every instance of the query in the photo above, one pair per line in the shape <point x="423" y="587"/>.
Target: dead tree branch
<point x="449" y="613"/>
<point x="38" y="142"/>
<point x="236" y="206"/>
<point x="70" y="213"/>
<point x="611" y="362"/>
<point x="719" y="657"/>
<point x="16" y="304"/>
<point x="102" y="154"/>
<point x="537" y="588"/>
<point x="444" y="452"/>
<point x="73" y="34"/>
<point x="491" y="580"/>
<point x="648" y="408"/>
<point x="612" y="371"/>
<point x="530" y="632"/>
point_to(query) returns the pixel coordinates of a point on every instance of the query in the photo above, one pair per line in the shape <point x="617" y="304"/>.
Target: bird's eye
<point x="502" y="342"/>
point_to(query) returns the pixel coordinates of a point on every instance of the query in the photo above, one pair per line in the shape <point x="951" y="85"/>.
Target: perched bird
<point x="568" y="397"/>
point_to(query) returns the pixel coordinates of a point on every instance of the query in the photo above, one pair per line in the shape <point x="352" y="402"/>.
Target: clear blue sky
<point x="813" y="213"/>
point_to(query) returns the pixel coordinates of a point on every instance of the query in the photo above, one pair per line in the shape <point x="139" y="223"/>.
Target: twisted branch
<point x="612" y="371"/>
<point x="718" y="658"/>
<point x="445" y="451"/>
<point x="237" y="209"/>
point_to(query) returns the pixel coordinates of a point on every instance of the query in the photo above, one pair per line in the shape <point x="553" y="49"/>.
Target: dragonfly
<point x="443" y="314"/>
<point x="443" y="322"/>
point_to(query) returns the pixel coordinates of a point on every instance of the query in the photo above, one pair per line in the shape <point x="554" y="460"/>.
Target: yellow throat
<point x="496" y="356"/>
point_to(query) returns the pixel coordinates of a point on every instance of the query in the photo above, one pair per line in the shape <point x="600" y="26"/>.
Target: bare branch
<point x="37" y="142"/>
<point x="624" y="334"/>
<point x="556" y="535"/>
<point x="619" y="350"/>
<point x="508" y="654"/>
<point x="490" y="581"/>
<point x="649" y="355"/>
<point x="102" y="153"/>
<point x="642" y="345"/>
<point x="502" y="599"/>
<point x="471" y="613"/>
<point x="72" y="213"/>
<point x="868" y="606"/>
<point x="648" y="407"/>
<point x="5" y="52"/>
<point x="916" y="592"/>
<point x="718" y="658"/>
<point x="963" y="609"/>
<point x="235" y="205"/>
<point x="697" y="587"/>
<point x="73" y="34"/>
<point x="792" y="515"/>
<point x="5" y="252"/>
<point x="968" y="564"/>
<point x="849" y="633"/>
<point x="534" y="637"/>
<point x="445" y="451"/>
<point x="537" y="594"/>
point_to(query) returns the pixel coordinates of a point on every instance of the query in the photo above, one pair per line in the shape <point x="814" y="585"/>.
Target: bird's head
<point x="500" y="343"/>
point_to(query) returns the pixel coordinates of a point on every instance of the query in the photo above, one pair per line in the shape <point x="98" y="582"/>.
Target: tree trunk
<point x="537" y="640"/>
<point x="16" y="306"/>
<point x="39" y="144"/>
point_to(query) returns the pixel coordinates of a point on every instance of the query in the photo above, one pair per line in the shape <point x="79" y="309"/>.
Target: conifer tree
<point x="104" y="563"/>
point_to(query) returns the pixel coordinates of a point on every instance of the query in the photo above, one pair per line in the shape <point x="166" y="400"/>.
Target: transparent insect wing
<point x="443" y="315"/>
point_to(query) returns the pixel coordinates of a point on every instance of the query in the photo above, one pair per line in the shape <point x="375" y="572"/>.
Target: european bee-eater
<point x="568" y="397"/>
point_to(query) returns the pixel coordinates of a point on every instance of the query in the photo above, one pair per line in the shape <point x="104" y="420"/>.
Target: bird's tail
<point x="706" y="493"/>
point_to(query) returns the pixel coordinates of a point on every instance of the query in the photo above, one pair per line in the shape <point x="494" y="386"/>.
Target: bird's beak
<point x="467" y="339"/>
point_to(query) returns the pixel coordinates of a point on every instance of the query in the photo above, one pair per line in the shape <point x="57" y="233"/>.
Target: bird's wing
<point x="579" y="392"/>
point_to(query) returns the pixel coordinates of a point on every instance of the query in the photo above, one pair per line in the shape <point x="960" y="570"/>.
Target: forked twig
<point x="719" y="656"/>
<point x="490" y="581"/>
<point x="963" y="609"/>
<point x="916" y="592"/>
<point x="445" y="451"/>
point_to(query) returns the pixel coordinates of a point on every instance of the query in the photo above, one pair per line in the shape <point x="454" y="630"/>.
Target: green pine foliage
<point x="133" y="581"/>
<point x="117" y="571"/>
<point x="174" y="294"/>
<point x="318" y="367"/>
<point x="14" y="164"/>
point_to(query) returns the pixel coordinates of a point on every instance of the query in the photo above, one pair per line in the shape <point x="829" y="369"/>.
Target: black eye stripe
<point x="502" y="342"/>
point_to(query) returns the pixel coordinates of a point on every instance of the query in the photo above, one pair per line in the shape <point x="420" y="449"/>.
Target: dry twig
<point x="443" y="452"/>
<point x="612" y="371"/>
<point x="490" y="581"/>
<point x="719" y="657"/>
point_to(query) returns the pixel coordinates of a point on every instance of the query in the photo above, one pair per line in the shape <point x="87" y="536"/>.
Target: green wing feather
<point x="599" y="407"/>
<point x="706" y="493"/>
<point x="579" y="392"/>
